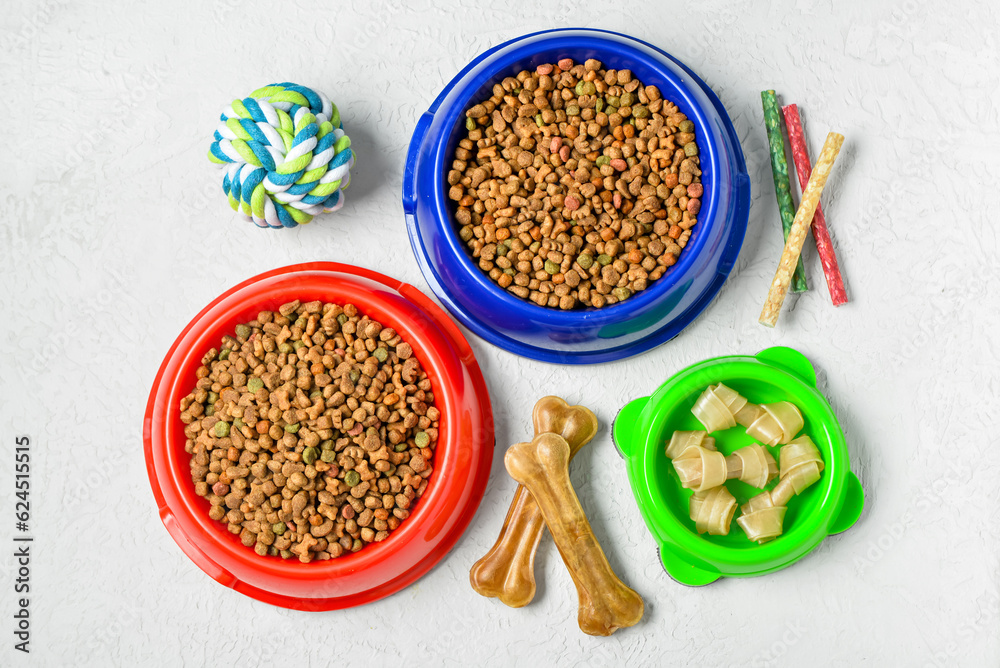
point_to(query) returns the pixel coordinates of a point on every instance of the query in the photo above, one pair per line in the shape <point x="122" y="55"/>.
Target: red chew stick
<point x="803" y="167"/>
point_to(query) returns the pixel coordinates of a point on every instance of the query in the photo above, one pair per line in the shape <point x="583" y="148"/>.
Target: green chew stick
<point x="779" y="169"/>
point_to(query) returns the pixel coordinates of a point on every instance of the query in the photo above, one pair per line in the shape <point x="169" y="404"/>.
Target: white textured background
<point x="114" y="233"/>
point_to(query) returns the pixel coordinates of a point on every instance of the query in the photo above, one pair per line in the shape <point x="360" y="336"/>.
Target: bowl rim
<point x="435" y="524"/>
<point x="501" y="57"/>
<point x="673" y="532"/>
<point x="657" y="288"/>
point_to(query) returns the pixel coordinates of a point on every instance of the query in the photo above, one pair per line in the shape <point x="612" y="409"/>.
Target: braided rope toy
<point x="285" y="155"/>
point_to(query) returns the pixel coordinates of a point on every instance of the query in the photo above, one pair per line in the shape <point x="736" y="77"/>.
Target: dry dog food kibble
<point x="311" y="431"/>
<point x="575" y="185"/>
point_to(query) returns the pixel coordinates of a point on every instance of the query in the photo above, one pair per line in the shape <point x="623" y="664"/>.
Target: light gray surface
<point x="115" y="233"/>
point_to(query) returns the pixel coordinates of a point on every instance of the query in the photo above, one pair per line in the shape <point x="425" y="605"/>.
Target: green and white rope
<point x="285" y="155"/>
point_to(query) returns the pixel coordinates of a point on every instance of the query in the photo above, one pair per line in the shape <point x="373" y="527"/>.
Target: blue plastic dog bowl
<point x="589" y="335"/>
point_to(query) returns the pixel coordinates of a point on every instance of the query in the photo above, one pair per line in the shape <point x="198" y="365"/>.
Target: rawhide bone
<point x="542" y="466"/>
<point x="507" y="572"/>
<point x="721" y="407"/>
<point x="763" y="516"/>
<point x="700" y="469"/>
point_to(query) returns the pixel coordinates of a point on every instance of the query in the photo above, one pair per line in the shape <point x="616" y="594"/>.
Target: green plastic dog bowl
<point x="643" y="427"/>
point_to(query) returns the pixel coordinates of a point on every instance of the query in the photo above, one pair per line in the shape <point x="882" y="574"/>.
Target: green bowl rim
<point x="672" y="533"/>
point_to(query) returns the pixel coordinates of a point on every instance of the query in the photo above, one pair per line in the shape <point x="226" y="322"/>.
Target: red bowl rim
<point x="462" y="460"/>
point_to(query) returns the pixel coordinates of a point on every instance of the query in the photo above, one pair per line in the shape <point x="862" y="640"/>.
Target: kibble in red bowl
<point x="461" y="454"/>
<point x="311" y="431"/>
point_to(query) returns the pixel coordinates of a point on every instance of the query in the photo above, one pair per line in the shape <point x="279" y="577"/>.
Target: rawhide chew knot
<point x="507" y="572"/>
<point x="682" y="440"/>
<point x="748" y="414"/>
<point x="700" y="469"/>
<point x="542" y="466"/>
<point x="776" y="423"/>
<point x="712" y="511"/>
<point x="761" y="518"/>
<point x="801" y="463"/>
<point x="753" y="465"/>
<point x="285" y="155"/>
<point x="717" y="406"/>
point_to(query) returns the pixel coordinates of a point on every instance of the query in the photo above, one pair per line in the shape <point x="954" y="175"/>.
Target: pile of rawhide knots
<point x="546" y="498"/>
<point x="703" y="469"/>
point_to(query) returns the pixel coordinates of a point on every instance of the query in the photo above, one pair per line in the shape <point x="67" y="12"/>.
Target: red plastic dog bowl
<point x="462" y="459"/>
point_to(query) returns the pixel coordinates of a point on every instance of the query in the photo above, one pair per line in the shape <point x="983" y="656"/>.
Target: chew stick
<point x="824" y="245"/>
<point x="797" y="237"/>
<point x="779" y="169"/>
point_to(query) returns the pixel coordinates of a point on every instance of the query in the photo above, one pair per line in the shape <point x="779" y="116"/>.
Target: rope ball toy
<point x="285" y="155"/>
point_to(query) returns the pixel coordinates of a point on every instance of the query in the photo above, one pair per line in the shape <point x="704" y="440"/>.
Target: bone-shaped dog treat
<point x="700" y="469"/>
<point x="763" y="515"/>
<point x="507" y="571"/>
<point x="542" y="466"/>
<point x="712" y="511"/>
<point x="682" y="440"/>
<point x="721" y="407"/>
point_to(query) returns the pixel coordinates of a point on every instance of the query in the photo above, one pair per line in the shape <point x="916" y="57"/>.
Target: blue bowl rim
<point x="590" y="317"/>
